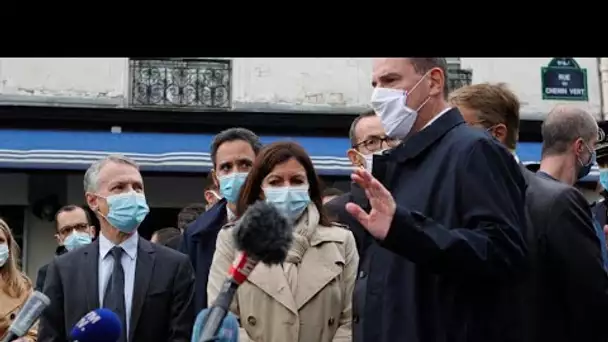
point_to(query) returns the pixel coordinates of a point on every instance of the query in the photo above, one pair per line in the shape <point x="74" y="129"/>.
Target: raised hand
<point x="382" y="203"/>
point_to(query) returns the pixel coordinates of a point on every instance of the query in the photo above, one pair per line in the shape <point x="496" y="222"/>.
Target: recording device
<point x="228" y="331"/>
<point x="99" y="325"/>
<point x="28" y="315"/>
<point x="264" y="235"/>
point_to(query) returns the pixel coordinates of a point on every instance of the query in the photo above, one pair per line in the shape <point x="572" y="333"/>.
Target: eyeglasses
<point x="374" y="144"/>
<point x="80" y="227"/>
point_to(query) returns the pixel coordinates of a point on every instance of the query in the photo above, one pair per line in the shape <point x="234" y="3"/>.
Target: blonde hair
<point x="15" y="282"/>
<point x="494" y="104"/>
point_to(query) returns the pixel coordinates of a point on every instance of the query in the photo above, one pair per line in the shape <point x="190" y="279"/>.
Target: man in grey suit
<point x="149" y="287"/>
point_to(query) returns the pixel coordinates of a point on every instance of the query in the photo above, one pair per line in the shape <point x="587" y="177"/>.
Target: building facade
<point x="61" y="114"/>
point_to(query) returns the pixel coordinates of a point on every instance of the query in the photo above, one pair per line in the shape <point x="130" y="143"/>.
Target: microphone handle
<point x="218" y="311"/>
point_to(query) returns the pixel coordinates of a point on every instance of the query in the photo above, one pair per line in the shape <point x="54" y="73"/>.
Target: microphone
<point x="228" y="331"/>
<point x="264" y="235"/>
<point x="99" y="325"/>
<point x="28" y="315"/>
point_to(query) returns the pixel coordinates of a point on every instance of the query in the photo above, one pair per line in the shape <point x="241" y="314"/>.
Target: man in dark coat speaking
<point x="450" y="200"/>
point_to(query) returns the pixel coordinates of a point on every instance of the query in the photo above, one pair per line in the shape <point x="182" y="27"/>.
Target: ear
<point x="92" y="201"/>
<point x="579" y="146"/>
<point x="93" y="231"/>
<point x="58" y="239"/>
<point x="500" y="132"/>
<point x="209" y="197"/>
<point x="355" y="158"/>
<point x="438" y="79"/>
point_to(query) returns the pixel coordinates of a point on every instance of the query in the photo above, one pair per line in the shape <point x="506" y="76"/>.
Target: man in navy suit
<point x="449" y="203"/>
<point x="232" y="154"/>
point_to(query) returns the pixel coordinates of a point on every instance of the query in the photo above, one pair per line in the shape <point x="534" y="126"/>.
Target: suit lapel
<point x="91" y="271"/>
<point x="143" y="273"/>
<point x="273" y="282"/>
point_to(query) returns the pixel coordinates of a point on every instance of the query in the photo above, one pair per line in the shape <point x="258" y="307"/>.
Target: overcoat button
<point x="331" y="321"/>
<point x="251" y="320"/>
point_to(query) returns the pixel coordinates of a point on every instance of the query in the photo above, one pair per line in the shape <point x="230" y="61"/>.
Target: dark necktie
<point x="114" y="297"/>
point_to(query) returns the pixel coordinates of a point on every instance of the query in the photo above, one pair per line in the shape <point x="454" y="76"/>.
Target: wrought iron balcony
<point x="459" y="78"/>
<point x="183" y="83"/>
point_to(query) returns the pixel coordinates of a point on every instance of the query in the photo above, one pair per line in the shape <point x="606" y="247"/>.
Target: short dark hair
<point x="269" y="157"/>
<point x="564" y="125"/>
<point x="210" y="184"/>
<point x="423" y="65"/>
<point x="232" y="134"/>
<point x="166" y="234"/>
<point x="189" y="214"/>
<point x="331" y="192"/>
<point x="352" y="133"/>
<point x="71" y="207"/>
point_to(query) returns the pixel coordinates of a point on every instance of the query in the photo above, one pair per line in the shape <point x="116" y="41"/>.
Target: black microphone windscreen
<point x="264" y="233"/>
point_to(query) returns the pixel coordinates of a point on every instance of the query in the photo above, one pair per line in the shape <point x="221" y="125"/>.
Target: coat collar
<point x="209" y="221"/>
<point x="420" y="141"/>
<point x="321" y="263"/>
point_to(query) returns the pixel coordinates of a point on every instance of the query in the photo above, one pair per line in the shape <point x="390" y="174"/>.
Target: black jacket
<point x="457" y="240"/>
<point x="567" y="288"/>
<point x="198" y="242"/>
<point x="42" y="270"/>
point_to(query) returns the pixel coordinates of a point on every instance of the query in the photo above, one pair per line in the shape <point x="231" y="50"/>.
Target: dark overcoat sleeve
<point x="182" y="307"/>
<point x="490" y="191"/>
<point x="574" y="251"/>
<point x="52" y="321"/>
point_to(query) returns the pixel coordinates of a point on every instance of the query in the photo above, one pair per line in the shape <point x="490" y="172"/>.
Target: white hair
<point x="91" y="177"/>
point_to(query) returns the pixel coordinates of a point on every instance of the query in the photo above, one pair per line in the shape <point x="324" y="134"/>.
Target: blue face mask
<point x="230" y="185"/>
<point x="604" y="178"/>
<point x="3" y="254"/>
<point x="76" y="239"/>
<point x="586" y="168"/>
<point x="291" y="201"/>
<point x="127" y="211"/>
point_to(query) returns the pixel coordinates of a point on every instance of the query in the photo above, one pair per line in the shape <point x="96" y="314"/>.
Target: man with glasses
<point x="73" y="230"/>
<point x="367" y="137"/>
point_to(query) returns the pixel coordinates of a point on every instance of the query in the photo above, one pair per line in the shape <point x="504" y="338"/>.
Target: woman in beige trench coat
<point x="15" y="287"/>
<point x="308" y="298"/>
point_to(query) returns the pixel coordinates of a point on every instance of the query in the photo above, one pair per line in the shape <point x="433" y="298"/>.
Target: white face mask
<point x="369" y="160"/>
<point x="3" y="254"/>
<point x="391" y="105"/>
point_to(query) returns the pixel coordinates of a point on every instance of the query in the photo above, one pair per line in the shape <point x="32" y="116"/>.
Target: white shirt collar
<point x="436" y="117"/>
<point x="231" y="215"/>
<point x="129" y="245"/>
<point x="516" y="157"/>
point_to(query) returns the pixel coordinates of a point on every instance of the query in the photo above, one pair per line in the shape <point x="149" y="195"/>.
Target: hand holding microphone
<point x="28" y="315"/>
<point x="228" y="331"/>
<point x="264" y="235"/>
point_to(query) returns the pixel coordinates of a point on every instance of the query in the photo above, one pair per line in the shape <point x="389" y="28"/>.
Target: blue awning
<point x="171" y="152"/>
<point x="76" y="150"/>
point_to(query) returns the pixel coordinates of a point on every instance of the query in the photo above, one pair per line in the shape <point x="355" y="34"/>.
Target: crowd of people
<point x="444" y="235"/>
